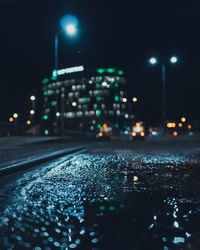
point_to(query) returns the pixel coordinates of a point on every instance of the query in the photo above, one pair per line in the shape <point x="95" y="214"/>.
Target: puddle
<point x="104" y="202"/>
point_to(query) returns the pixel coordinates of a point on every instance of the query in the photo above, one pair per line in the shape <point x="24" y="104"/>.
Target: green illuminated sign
<point x="45" y="80"/>
<point x="116" y="98"/>
<point x="100" y="71"/>
<point x="116" y="125"/>
<point x="116" y="85"/>
<point x="120" y="72"/>
<point x="98" y="86"/>
<point x="53" y="103"/>
<point x="110" y="70"/>
<point x="102" y="208"/>
<point x="54" y="73"/>
<point x="45" y="117"/>
<point x="53" y="78"/>
<point x="98" y="98"/>
<point x="99" y="126"/>
<point x="45" y="92"/>
<point x="111" y="208"/>
<point x="84" y="99"/>
<point x="98" y="112"/>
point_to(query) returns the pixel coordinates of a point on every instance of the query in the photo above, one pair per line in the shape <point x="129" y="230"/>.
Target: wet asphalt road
<point x="118" y="195"/>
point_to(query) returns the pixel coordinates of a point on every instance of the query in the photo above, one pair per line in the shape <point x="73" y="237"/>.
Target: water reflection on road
<point x="103" y="201"/>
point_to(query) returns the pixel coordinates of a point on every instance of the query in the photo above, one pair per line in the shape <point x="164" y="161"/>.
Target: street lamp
<point x="15" y="115"/>
<point x="153" y="61"/>
<point x="32" y="98"/>
<point x="32" y="111"/>
<point x="134" y="99"/>
<point x="69" y="24"/>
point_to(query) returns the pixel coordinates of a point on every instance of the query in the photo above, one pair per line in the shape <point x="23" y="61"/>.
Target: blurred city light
<point x="32" y="98"/>
<point x="175" y="133"/>
<point x="134" y="99"/>
<point x="74" y="104"/>
<point x="124" y="99"/>
<point x="183" y="119"/>
<point x="100" y="134"/>
<point x="105" y="125"/>
<point x="153" y="60"/>
<point x="15" y="115"/>
<point x="104" y="84"/>
<point x="142" y="133"/>
<point x="137" y="124"/>
<point x="69" y="23"/>
<point x="32" y="112"/>
<point x="71" y="29"/>
<point x="133" y="133"/>
<point x="180" y="125"/>
<point x="171" y="124"/>
<point x="173" y="59"/>
<point x="11" y="119"/>
<point x="189" y="126"/>
<point x="28" y="122"/>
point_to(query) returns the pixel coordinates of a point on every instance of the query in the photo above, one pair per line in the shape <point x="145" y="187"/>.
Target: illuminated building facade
<point x="81" y="99"/>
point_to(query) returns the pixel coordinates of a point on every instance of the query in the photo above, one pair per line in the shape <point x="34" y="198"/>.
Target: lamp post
<point x="69" y="23"/>
<point x="154" y="61"/>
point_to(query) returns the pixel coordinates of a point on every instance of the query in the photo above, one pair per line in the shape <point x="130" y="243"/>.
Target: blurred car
<point x="138" y="131"/>
<point x="104" y="133"/>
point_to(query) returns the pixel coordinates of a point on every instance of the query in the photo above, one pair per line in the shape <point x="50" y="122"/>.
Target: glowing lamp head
<point x="124" y="99"/>
<point x="71" y="29"/>
<point x="134" y="99"/>
<point x="153" y="60"/>
<point x="183" y="119"/>
<point x="32" y="112"/>
<point x="173" y="59"/>
<point x="32" y="98"/>
<point x="15" y="115"/>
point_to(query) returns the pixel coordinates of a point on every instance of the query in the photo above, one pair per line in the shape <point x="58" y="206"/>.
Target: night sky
<point x="123" y="33"/>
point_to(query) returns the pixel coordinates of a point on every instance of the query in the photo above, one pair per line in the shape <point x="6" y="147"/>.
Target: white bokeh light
<point x="71" y="29"/>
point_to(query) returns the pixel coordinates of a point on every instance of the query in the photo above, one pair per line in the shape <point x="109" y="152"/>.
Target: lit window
<point x="79" y="113"/>
<point x="118" y="112"/>
<point x="116" y="98"/>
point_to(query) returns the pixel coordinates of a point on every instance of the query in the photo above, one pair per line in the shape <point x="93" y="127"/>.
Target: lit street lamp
<point x="69" y="24"/>
<point x="32" y="98"/>
<point x="134" y="99"/>
<point x="153" y="61"/>
<point x="15" y="115"/>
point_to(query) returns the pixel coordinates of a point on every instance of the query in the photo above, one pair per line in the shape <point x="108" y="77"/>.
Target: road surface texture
<point x="118" y="195"/>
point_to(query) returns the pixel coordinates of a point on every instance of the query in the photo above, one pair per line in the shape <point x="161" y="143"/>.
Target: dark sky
<point x="121" y="33"/>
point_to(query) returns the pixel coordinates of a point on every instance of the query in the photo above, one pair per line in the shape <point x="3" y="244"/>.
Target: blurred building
<point x="83" y="99"/>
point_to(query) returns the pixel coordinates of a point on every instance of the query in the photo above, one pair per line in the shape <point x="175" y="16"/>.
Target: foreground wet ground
<point x="115" y="196"/>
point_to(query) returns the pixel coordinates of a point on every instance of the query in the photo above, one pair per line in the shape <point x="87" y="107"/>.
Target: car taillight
<point x="142" y="134"/>
<point x="134" y="134"/>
